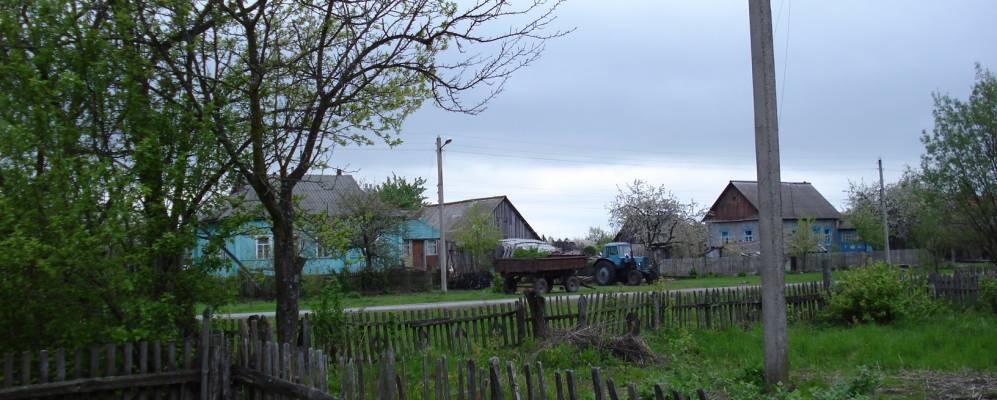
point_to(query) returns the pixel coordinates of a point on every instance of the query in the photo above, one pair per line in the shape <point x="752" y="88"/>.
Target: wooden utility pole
<point x="769" y="193"/>
<point x="882" y="211"/>
<point x="441" y="246"/>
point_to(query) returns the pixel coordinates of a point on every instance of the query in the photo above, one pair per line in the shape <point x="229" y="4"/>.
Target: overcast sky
<point x="661" y="91"/>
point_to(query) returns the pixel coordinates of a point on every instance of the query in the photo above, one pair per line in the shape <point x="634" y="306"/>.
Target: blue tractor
<point x="617" y="264"/>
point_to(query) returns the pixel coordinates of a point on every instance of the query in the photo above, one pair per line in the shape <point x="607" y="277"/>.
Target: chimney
<point x="339" y="172"/>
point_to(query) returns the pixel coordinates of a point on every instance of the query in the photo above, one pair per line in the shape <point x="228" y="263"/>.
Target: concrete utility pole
<point x="882" y="210"/>
<point x="442" y="244"/>
<point x="769" y="193"/>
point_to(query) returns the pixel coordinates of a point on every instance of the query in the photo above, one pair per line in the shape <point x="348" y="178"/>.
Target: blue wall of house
<point x="747" y="231"/>
<point x="244" y="248"/>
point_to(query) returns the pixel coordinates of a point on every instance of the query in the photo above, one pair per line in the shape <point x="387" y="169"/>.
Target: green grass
<point x="358" y="300"/>
<point x="730" y="361"/>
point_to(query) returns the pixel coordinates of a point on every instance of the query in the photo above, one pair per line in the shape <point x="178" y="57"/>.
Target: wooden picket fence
<point x="465" y="379"/>
<point x="372" y="333"/>
<point x="201" y="368"/>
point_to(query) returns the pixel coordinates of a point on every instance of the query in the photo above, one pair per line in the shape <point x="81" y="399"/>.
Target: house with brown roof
<point x="732" y="221"/>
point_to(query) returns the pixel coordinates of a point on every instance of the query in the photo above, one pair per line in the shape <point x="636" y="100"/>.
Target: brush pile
<point x="629" y="347"/>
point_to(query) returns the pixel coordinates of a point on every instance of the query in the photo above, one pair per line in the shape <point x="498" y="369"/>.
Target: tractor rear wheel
<point x="540" y="285"/>
<point x="571" y="284"/>
<point x="634" y="277"/>
<point x="604" y="274"/>
<point x="652" y="276"/>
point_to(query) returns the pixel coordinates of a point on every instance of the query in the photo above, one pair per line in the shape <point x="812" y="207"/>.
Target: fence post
<point x="536" y="303"/>
<point x="205" y="345"/>
<point x="520" y="322"/>
<point x="583" y="314"/>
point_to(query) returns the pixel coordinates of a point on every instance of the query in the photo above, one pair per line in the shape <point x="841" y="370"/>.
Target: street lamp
<point x="442" y="244"/>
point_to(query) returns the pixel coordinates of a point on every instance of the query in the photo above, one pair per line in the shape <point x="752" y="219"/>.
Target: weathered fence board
<point x="733" y="265"/>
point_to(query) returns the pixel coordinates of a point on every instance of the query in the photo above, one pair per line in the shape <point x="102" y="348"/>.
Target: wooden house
<point x="732" y="221"/>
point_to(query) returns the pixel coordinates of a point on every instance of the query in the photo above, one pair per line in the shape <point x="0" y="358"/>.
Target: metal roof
<point x="799" y="200"/>
<point x="314" y="193"/>
<point x="455" y="211"/>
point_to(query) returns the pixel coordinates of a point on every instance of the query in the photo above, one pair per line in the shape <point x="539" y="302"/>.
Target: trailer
<point x="542" y="273"/>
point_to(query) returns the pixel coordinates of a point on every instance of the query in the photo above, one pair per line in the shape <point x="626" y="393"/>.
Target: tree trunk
<point x="287" y="271"/>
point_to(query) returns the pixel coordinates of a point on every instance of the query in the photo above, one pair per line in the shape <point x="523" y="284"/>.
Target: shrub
<point x="693" y="273"/>
<point x="328" y="322"/>
<point x="742" y="274"/>
<point x="590" y="250"/>
<point x="877" y="293"/>
<point x="988" y="294"/>
<point x="498" y="283"/>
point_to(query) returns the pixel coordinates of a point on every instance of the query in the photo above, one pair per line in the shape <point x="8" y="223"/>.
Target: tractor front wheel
<point x="652" y="276"/>
<point x="604" y="273"/>
<point x="634" y="277"/>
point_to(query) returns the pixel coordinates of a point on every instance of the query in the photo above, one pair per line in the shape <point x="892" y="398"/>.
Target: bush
<point x="877" y="293"/>
<point x="693" y="273"/>
<point x="590" y="250"/>
<point x="988" y="294"/>
<point x="498" y="283"/>
<point x="328" y="321"/>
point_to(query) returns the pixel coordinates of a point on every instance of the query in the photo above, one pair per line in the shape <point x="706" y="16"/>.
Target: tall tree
<point x="376" y="216"/>
<point x="654" y="217"/>
<point x="303" y="77"/>
<point x="802" y="240"/>
<point x="960" y="159"/>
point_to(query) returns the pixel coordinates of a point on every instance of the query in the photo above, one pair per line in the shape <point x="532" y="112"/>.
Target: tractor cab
<point x="618" y="252"/>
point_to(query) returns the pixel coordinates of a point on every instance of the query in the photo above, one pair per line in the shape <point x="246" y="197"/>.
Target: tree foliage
<point x="598" y="237"/>
<point x="102" y="174"/>
<point x="654" y="217"/>
<point x="803" y="240"/>
<point x="478" y="235"/>
<point x="960" y="159"/>
<point x="375" y="219"/>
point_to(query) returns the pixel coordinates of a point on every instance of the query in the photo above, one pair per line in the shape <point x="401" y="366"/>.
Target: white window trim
<point x="268" y="247"/>
<point x="431" y="247"/>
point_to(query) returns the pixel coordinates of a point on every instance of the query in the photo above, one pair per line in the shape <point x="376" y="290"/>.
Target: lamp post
<point x="442" y="244"/>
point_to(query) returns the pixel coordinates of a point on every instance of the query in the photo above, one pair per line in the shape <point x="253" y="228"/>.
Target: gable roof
<point x="799" y="200"/>
<point x="314" y="193"/>
<point x="454" y="212"/>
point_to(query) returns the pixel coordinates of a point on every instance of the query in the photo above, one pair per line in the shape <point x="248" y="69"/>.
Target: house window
<point x="431" y="249"/>
<point x="264" y="249"/>
<point x="827" y="235"/>
<point x="322" y="251"/>
<point x="724" y="237"/>
<point x="749" y="235"/>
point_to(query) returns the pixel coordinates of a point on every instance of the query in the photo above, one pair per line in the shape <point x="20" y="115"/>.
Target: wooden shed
<point x="509" y="220"/>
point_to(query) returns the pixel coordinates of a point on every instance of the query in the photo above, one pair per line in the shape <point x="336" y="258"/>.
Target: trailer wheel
<point x="634" y="277"/>
<point x="604" y="273"/>
<point x="571" y="284"/>
<point x="540" y="285"/>
<point x="509" y="286"/>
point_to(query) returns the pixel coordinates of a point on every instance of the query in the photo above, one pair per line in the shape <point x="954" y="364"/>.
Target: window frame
<point x="268" y="247"/>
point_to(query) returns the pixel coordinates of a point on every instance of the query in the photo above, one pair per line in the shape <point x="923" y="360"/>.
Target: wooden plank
<point x="8" y="370"/>
<point x="99" y="384"/>
<point x="528" y="377"/>
<point x="25" y="368"/>
<point x="43" y="366"/>
<point x="60" y="365"/>
<point x="569" y="379"/>
<point x="541" y="388"/>
<point x="493" y="377"/>
<point x="557" y="385"/>
<point x="632" y="392"/>
<point x="611" y="387"/>
<point x="277" y="386"/>
<point x="597" y="383"/>
<point x="513" y="384"/>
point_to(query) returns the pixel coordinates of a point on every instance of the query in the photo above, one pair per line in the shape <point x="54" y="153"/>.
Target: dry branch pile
<point x="629" y="347"/>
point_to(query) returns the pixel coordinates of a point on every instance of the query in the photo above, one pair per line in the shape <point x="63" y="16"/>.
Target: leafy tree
<point x="598" y="236"/>
<point x="960" y="155"/>
<point x="478" y="235"/>
<point x="654" y="217"/>
<point x="300" y="78"/>
<point x="102" y="173"/>
<point x="903" y="207"/>
<point x="803" y="240"/>
<point x="375" y="217"/>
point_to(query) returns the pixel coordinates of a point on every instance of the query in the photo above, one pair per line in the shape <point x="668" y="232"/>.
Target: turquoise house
<point x="252" y="248"/>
